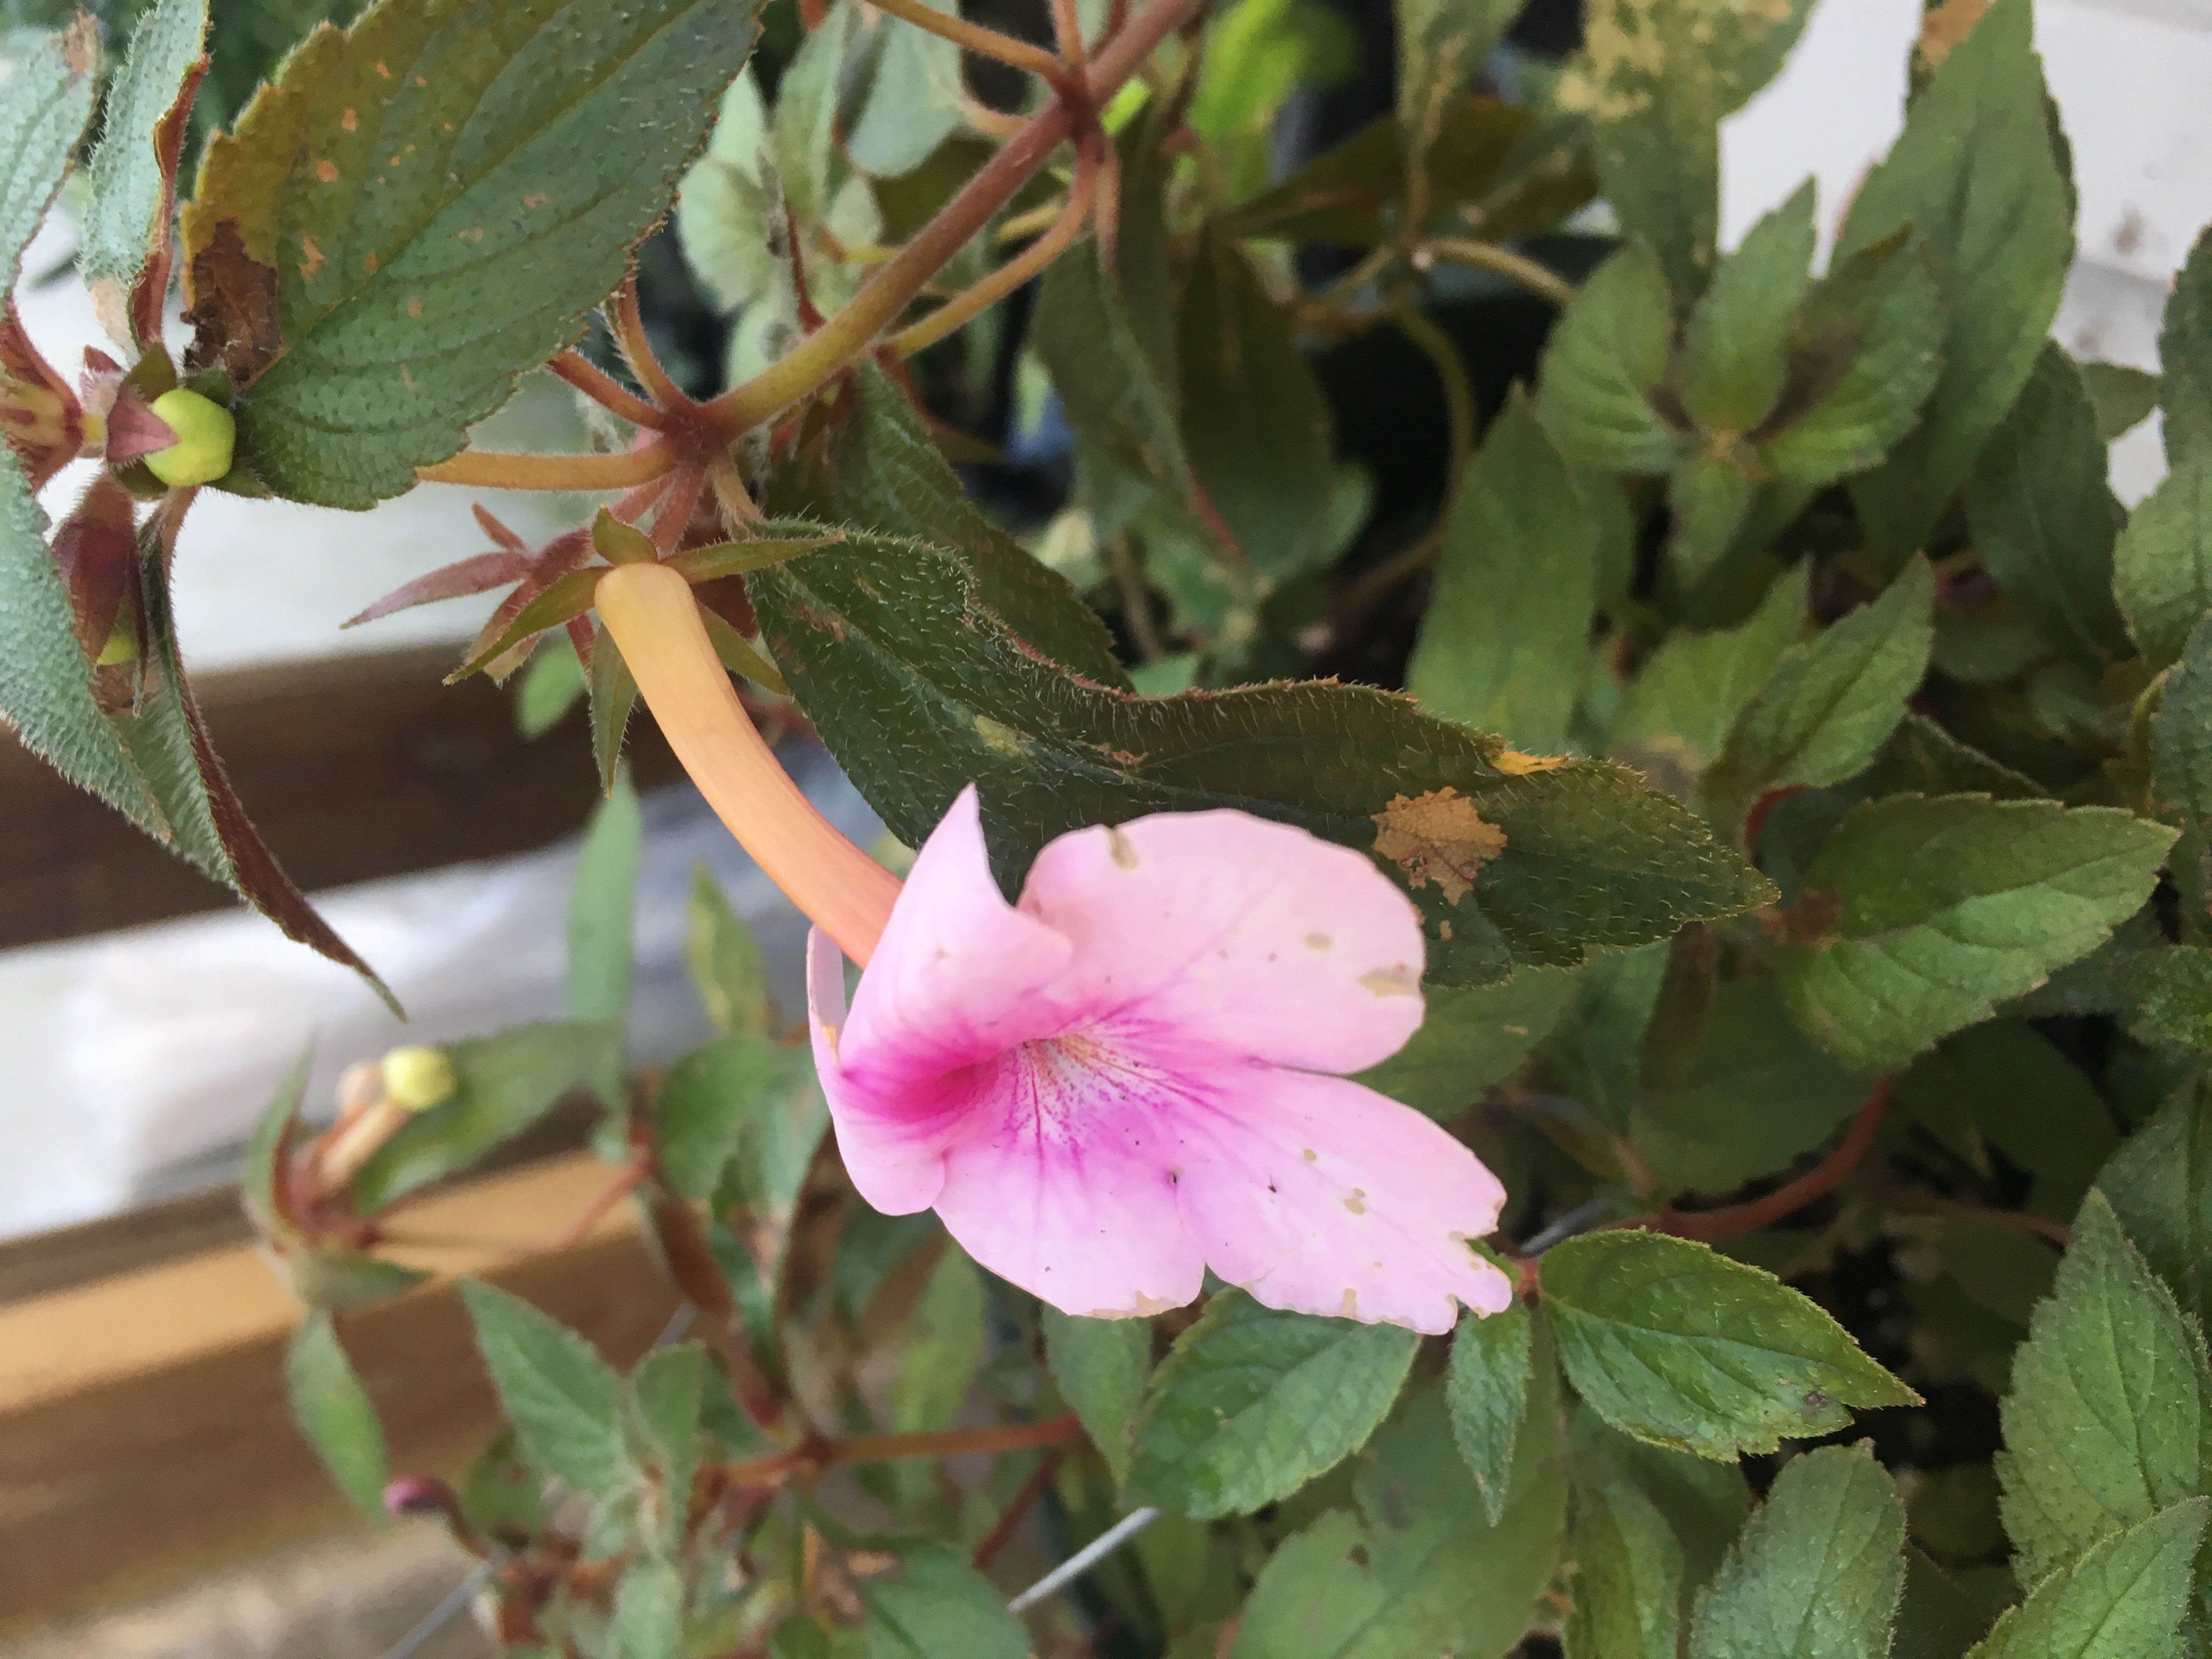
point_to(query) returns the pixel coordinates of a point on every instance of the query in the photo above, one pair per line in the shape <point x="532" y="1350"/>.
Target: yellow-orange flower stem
<point x="490" y="469"/>
<point x="648" y="611"/>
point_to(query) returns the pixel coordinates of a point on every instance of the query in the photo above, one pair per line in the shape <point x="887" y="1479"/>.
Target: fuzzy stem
<point x="627" y="323"/>
<point x="649" y="613"/>
<point x="603" y="389"/>
<point x="973" y="301"/>
<point x="482" y="469"/>
<point x="341" y="1158"/>
<point x="974" y="37"/>
<point x="899" y="280"/>
<point x="1540" y="280"/>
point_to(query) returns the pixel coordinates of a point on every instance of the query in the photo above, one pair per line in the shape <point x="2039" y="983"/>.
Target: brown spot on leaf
<point x="369" y="263"/>
<point x="1815" y="921"/>
<point x="536" y="199"/>
<point x="327" y="171"/>
<point x="230" y="300"/>
<point x="1515" y="764"/>
<point x="81" y="46"/>
<point x="415" y="307"/>
<point x="378" y="67"/>
<point x="474" y="233"/>
<point x="1943" y="26"/>
<point x="349" y="121"/>
<point x="1439" y="837"/>
<point x="314" y="261"/>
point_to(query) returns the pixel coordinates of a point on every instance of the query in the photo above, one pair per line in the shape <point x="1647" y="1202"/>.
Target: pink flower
<point x="1133" y="1075"/>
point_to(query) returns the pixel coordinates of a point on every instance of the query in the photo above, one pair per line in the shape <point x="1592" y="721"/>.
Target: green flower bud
<point x="418" y="1079"/>
<point x="205" y="436"/>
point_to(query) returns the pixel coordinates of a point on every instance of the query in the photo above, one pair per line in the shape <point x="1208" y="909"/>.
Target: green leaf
<point x="1709" y="497"/>
<point x="1628" y="1577"/>
<point x="2181" y="775"/>
<point x="2122" y="397"/>
<point x="612" y="691"/>
<point x="422" y="240"/>
<point x="1120" y="397"/>
<point x="1736" y="350"/>
<point x="1818" y="1571"/>
<point x="259" y="1181"/>
<point x="1687" y="699"/>
<point x="804" y="128"/>
<point x="602" y="909"/>
<point x="1502" y="643"/>
<point x="565" y="1402"/>
<point x="1936" y="1618"/>
<point x="2000" y="893"/>
<point x="2163" y="562"/>
<point x="1677" y="1346"/>
<point x="1487" y="1390"/>
<point x="919" y="690"/>
<point x="1442" y="46"/>
<point x="502" y="1085"/>
<point x="2160" y="1183"/>
<point x="1254" y="419"/>
<point x="712" y="1098"/>
<point x="913" y="99"/>
<point x="1756" y="1094"/>
<point x="1704" y="1504"/>
<point x="2184" y="355"/>
<point x="1594" y="1050"/>
<point x="1251" y="1403"/>
<point x="775" y="1144"/>
<point x="126" y="223"/>
<point x="1655" y="78"/>
<point x="552" y="680"/>
<point x="728" y="202"/>
<point x="1472" y="1037"/>
<point x="1604" y="358"/>
<point x="1833" y="701"/>
<point x="2011" y="1085"/>
<point x="880" y="471"/>
<point x="1101" y="1366"/>
<point x="935" y="1607"/>
<point x="45" y="683"/>
<point x="944" y="1345"/>
<point x="1868" y="351"/>
<point x="1417" y="1572"/>
<point x="501" y="1496"/>
<point x="2105" y="1423"/>
<point x="667" y="1392"/>
<point x="648" y="1621"/>
<point x="340" y="1281"/>
<point x="336" y="1415"/>
<point x="1975" y="176"/>
<point x="2044" y="518"/>
<point x="2173" y="992"/>
<point x="2124" y="1598"/>
<point x="724" y="961"/>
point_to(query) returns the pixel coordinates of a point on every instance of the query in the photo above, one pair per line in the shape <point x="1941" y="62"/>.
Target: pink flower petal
<point x="952" y="984"/>
<point x="1065" y="1185"/>
<point x="1241" y="937"/>
<point x="1317" y="1194"/>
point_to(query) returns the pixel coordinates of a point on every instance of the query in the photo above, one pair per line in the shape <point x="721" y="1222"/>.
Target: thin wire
<point x="1085" y="1559"/>
<point x="458" y="1598"/>
<point x="1567" y="1226"/>
<point x="455" y="1604"/>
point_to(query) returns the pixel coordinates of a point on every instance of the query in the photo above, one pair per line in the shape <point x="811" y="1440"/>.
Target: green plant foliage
<point x="1503" y="642"/>
<point x="2160" y="1184"/>
<point x="394" y="301"/>
<point x="1102" y="1366"/>
<point x="1417" y="1569"/>
<point x="2125" y="1595"/>
<point x="126" y="217"/>
<point x="1603" y="362"/>
<point x="1251" y="1403"/>
<point x="334" y="1412"/>
<point x="1630" y="1571"/>
<point x="1471" y="1037"/>
<point x="2108" y="1417"/>
<point x="1975" y="176"/>
<point x="1817" y="1572"/>
<point x="1493" y="1367"/>
<point x="1675" y="1344"/>
<point x="565" y="1402"/>
<point x="936" y="1603"/>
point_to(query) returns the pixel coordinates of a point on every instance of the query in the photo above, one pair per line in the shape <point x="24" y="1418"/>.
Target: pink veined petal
<point x="951" y="986"/>
<point x="1318" y="1195"/>
<point x="1230" y="936"/>
<point x="1065" y="1185"/>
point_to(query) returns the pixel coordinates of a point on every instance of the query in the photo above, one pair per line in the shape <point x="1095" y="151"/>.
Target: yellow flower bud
<point x="418" y="1079"/>
<point x="206" y="435"/>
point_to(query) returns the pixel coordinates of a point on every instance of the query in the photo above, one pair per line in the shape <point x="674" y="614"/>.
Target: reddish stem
<point x="1823" y="1178"/>
<point x="1035" y="1486"/>
<point x="603" y="389"/>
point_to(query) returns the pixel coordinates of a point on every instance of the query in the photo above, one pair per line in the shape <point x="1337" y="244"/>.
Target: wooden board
<point x="354" y="767"/>
<point x="144" y="1437"/>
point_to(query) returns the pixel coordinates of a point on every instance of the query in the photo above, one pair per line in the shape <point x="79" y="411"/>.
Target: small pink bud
<point x="421" y="1494"/>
